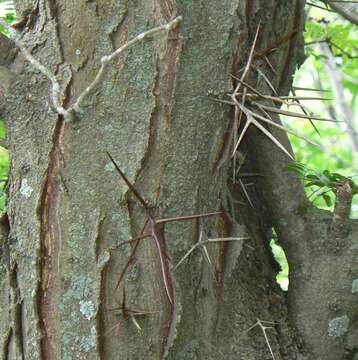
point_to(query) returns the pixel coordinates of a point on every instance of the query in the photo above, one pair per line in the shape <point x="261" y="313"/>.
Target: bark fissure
<point x="51" y="244"/>
<point x="6" y="347"/>
<point x="156" y="153"/>
<point x="17" y="312"/>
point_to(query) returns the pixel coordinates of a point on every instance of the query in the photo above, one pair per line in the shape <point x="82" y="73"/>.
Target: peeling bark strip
<point x="225" y="232"/>
<point x="51" y="242"/>
<point x="69" y="114"/>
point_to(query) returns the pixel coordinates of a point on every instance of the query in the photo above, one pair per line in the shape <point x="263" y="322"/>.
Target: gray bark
<point x="154" y="113"/>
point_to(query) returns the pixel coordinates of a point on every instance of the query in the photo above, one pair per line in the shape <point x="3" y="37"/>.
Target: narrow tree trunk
<point x="154" y="112"/>
<point x="335" y="78"/>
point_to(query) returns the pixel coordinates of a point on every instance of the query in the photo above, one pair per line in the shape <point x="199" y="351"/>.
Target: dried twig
<point x="56" y="96"/>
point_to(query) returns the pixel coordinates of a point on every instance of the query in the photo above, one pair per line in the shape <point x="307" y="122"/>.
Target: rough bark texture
<point x="154" y="113"/>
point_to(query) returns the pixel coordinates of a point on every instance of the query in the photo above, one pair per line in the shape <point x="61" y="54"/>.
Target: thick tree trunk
<point x="154" y="113"/>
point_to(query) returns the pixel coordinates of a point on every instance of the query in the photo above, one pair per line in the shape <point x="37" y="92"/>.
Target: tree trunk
<point x="154" y="112"/>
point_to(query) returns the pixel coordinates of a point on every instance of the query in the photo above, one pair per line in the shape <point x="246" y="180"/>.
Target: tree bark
<point x="155" y="113"/>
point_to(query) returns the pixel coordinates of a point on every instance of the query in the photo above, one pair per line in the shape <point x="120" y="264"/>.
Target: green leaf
<point x="327" y="200"/>
<point x="296" y="168"/>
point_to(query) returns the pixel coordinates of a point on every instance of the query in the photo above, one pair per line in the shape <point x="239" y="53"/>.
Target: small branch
<point x="335" y="78"/>
<point x="343" y="203"/>
<point x="106" y="59"/>
<point x="319" y="7"/>
<point x="340" y="8"/>
<point x="56" y="88"/>
<point x="331" y="44"/>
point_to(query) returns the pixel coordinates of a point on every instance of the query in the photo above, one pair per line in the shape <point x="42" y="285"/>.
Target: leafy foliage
<point x="342" y="39"/>
<point x="280" y="257"/>
<point x="321" y="183"/>
<point x="336" y="157"/>
<point x="8" y="13"/>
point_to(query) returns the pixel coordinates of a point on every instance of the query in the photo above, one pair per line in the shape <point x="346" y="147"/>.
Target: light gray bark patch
<point x="355" y="286"/>
<point x="337" y="327"/>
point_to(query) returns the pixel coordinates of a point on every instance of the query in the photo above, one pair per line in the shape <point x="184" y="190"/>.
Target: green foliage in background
<point x="333" y="161"/>
<point x="280" y="257"/>
<point x="322" y="184"/>
<point x="335" y="154"/>
<point x="7" y="12"/>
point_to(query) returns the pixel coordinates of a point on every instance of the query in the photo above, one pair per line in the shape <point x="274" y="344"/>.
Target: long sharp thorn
<point x="246" y="193"/>
<point x="189" y="217"/>
<point x="250" y="87"/>
<point x="265" y="113"/>
<point x="313" y="98"/>
<point x="130" y="186"/>
<point x="281" y="127"/>
<point x="131" y="256"/>
<point x="205" y="250"/>
<point x="292" y="114"/>
<point x="310" y="89"/>
<point x="305" y="111"/>
<point x="134" y="321"/>
<point x="164" y="264"/>
<point x="207" y="256"/>
<point x="248" y="122"/>
<point x="140" y="237"/>
<point x="267" y="61"/>
<point x="186" y="255"/>
<point x="249" y="61"/>
<point x="271" y="137"/>
<point x="267" y="80"/>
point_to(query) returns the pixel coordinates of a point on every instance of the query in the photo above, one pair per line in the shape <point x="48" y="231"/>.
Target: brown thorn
<point x="304" y="110"/>
<point x="131" y="256"/>
<point x="277" y="44"/>
<point x="130" y="186"/>
<point x="189" y="217"/>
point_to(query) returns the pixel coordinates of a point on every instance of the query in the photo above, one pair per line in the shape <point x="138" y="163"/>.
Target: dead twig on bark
<point x="56" y="92"/>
